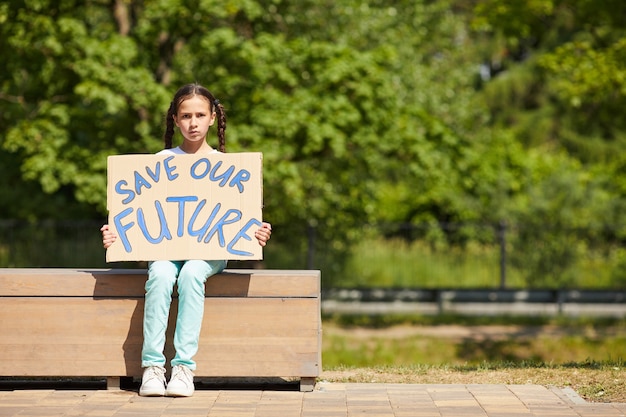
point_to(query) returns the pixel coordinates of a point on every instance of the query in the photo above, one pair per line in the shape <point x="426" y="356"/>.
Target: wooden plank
<point x="42" y="351"/>
<point x="76" y="336"/>
<point x="130" y="283"/>
<point x="60" y="336"/>
<point x="266" y="316"/>
<point x="234" y="368"/>
<point x="209" y="369"/>
<point x="264" y="283"/>
<point x="88" y="322"/>
<point x="108" y="360"/>
<point x="71" y="368"/>
<point x="76" y="319"/>
<point x="72" y="282"/>
<point x="119" y="320"/>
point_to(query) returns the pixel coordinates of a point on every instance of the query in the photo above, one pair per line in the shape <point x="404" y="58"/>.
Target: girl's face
<point x="194" y="118"/>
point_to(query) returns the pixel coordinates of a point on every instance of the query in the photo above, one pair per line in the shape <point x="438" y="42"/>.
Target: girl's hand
<point x="264" y="233"/>
<point x="108" y="237"/>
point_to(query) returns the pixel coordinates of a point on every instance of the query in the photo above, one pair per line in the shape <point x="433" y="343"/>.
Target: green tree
<point x="559" y="217"/>
<point x="558" y="72"/>
<point x="340" y="111"/>
<point x="73" y="91"/>
<point x="555" y="78"/>
<point x="366" y="112"/>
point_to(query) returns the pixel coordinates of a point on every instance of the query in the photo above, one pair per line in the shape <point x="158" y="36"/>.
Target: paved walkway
<point x="328" y="400"/>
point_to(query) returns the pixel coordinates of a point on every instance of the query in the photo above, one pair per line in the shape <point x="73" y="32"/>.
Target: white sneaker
<point x="153" y="382"/>
<point x="181" y="382"/>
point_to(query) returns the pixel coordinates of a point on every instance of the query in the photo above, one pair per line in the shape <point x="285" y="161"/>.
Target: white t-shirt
<point x="178" y="151"/>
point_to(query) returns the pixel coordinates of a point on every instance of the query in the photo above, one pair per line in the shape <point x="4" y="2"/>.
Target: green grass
<point x="354" y="342"/>
<point x="398" y="263"/>
<point x="341" y="350"/>
<point x="586" y="354"/>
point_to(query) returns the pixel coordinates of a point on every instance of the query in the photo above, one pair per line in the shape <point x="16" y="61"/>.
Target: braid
<point x="221" y="125"/>
<point x="169" y="127"/>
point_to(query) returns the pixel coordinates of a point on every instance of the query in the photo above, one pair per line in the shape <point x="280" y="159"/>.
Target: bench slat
<point x="25" y="282"/>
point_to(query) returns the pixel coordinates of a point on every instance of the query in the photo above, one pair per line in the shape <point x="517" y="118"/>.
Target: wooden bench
<point x="88" y="323"/>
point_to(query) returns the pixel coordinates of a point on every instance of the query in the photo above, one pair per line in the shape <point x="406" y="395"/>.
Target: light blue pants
<point x="190" y="277"/>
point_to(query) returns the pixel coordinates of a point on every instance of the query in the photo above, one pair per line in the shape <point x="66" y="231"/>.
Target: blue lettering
<point x="169" y="170"/>
<point x="218" y="227"/>
<point x="181" y="211"/>
<point x="120" y="190"/>
<point x="242" y="234"/>
<point x="200" y="232"/>
<point x="157" y="172"/>
<point x="165" y="233"/>
<point x="224" y="176"/>
<point x="121" y="229"/>
<point x="240" y="177"/>
<point x="207" y="164"/>
<point x="140" y="182"/>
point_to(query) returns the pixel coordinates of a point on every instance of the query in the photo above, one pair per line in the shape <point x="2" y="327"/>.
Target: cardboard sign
<point x="179" y="207"/>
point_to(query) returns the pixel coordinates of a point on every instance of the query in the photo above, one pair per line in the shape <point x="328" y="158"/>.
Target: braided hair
<point x="184" y="93"/>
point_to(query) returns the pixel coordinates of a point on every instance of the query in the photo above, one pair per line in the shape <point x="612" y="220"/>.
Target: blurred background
<point x="407" y="144"/>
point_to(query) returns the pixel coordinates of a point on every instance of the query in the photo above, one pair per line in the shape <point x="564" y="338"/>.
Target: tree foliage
<point x="562" y="72"/>
<point x="409" y="111"/>
<point x="555" y="79"/>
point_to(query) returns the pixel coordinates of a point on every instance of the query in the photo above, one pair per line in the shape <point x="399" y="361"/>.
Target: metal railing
<point x="77" y="244"/>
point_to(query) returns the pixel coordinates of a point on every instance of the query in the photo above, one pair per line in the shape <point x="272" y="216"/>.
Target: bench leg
<point x="307" y="384"/>
<point x="113" y="382"/>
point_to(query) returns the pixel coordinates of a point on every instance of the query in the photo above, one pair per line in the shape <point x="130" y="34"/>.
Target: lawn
<point x="587" y="356"/>
<point x="594" y="382"/>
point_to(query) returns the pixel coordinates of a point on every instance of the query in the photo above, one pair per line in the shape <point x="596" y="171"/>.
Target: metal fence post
<point x="310" y="258"/>
<point x="502" y="242"/>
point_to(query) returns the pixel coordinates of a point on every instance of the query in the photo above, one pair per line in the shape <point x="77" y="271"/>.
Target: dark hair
<point x="184" y="93"/>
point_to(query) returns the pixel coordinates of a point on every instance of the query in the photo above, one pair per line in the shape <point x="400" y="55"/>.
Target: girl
<point x="193" y="110"/>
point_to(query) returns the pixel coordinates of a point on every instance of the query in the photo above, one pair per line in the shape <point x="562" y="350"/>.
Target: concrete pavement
<point x="328" y="400"/>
